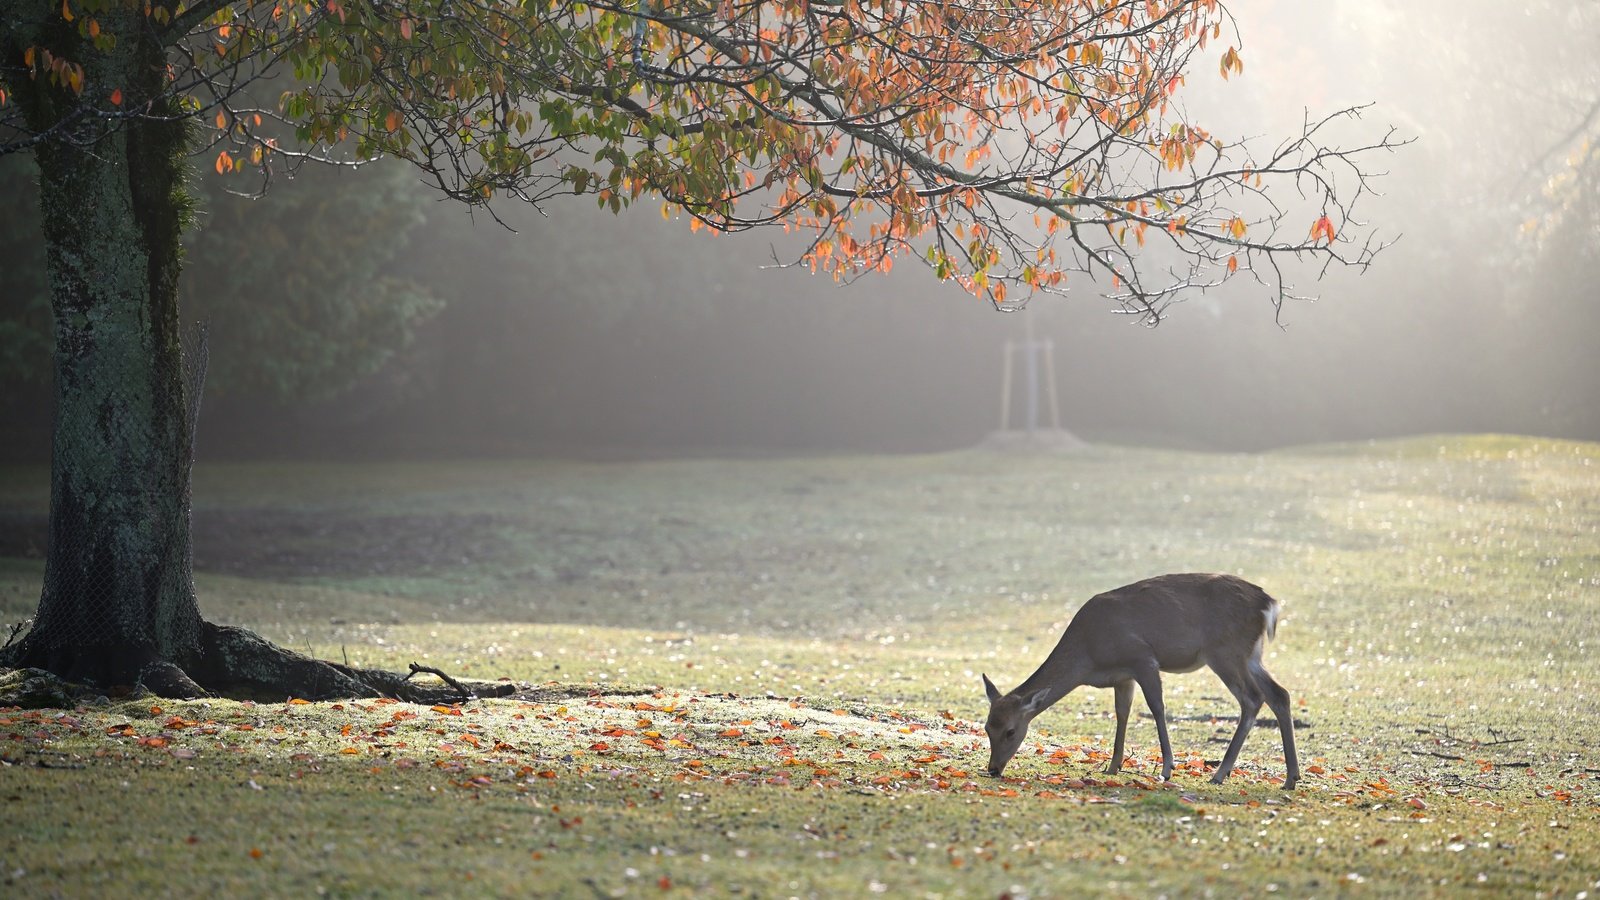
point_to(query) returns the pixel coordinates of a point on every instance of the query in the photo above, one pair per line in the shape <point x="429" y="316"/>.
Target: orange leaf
<point x="66" y="11"/>
<point x="224" y="165"/>
<point x="116" y="96"/>
<point x="1231" y="62"/>
<point x="1233" y="264"/>
<point x="392" y="121"/>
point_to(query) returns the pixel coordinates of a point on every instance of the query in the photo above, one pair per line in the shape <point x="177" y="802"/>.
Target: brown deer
<point x="1171" y="623"/>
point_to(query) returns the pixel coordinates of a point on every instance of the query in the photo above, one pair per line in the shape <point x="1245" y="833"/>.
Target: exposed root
<point x="239" y="664"/>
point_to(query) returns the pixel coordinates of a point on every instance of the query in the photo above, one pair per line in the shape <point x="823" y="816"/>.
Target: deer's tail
<point x="1270" y="613"/>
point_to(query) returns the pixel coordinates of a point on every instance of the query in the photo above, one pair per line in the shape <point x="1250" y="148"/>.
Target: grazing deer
<point x="1171" y="623"/>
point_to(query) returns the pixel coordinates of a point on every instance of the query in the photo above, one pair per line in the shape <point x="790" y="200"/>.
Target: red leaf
<point x="1322" y="228"/>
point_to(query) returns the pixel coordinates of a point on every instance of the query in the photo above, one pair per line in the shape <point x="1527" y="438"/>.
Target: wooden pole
<point x="1050" y="382"/>
<point x="1031" y="348"/>
<point x="1005" y="391"/>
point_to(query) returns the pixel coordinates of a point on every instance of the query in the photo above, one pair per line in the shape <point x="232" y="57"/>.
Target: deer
<point x="1129" y="636"/>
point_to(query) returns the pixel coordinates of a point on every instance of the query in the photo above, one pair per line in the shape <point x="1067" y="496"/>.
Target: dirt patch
<point x="271" y="543"/>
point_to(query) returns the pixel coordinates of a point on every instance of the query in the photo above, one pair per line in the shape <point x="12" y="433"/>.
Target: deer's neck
<point x="1060" y="672"/>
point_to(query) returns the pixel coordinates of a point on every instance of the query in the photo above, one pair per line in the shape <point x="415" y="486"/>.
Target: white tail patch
<point x="1271" y="615"/>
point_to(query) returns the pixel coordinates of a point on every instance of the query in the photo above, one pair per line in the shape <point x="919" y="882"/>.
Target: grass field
<point x="761" y="678"/>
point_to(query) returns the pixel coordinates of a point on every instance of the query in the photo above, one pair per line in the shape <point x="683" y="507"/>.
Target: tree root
<point x="240" y="664"/>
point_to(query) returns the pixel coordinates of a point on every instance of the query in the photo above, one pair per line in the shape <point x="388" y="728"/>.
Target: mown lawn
<point x="761" y="677"/>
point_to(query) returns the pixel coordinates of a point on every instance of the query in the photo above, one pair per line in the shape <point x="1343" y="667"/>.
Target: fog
<point x="587" y="334"/>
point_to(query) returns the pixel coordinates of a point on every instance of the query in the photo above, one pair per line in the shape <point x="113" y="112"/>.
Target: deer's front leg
<point x="1124" y="699"/>
<point x="1149" y="678"/>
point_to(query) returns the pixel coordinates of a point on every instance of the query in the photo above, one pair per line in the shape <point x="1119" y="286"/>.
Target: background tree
<point x="1007" y="147"/>
<point x="24" y="293"/>
<point x="298" y="281"/>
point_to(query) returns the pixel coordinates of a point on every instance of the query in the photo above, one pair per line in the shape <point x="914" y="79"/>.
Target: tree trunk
<point x="118" y="605"/>
<point x="117" y="590"/>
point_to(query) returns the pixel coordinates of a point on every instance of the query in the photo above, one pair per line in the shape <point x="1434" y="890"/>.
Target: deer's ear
<point x="1036" y="704"/>
<point x="989" y="689"/>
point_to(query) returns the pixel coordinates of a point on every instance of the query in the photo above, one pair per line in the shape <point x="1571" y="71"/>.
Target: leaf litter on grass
<point x="1436" y="639"/>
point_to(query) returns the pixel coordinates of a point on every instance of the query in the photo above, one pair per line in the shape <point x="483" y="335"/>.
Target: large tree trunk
<point x="118" y="605"/>
<point x="117" y="590"/>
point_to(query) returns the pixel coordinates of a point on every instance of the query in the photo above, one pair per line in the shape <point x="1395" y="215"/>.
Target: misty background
<point x="358" y="315"/>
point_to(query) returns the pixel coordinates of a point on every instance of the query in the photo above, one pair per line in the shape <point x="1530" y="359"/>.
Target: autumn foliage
<point x="1016" y="149"/>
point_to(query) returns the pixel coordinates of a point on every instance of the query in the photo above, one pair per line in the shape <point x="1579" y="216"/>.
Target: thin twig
<point x="465" y="694"/>
<point x="15" y="630"/>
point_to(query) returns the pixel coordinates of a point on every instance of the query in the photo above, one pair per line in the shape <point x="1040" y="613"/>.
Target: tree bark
<point x="117" y="589"/>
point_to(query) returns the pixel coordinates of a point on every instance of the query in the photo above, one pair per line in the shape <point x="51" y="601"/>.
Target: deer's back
<point x="1180" y="618"/>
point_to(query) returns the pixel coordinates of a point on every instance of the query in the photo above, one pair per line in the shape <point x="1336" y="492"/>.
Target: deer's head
<point x="1009" y="716"/>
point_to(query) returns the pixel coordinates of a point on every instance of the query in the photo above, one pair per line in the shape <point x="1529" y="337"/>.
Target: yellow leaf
<point x="66" y="11"/>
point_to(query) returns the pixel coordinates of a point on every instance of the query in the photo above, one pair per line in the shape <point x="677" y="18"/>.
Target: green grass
<point x="761" y="677"/>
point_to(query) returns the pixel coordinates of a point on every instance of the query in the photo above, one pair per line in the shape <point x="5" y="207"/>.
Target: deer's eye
<point x="1010" y="732"/>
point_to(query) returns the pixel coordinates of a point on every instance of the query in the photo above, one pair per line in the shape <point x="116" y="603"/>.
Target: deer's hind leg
<point x="1278" y="701"/>
<point x="1242" y="683"/>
